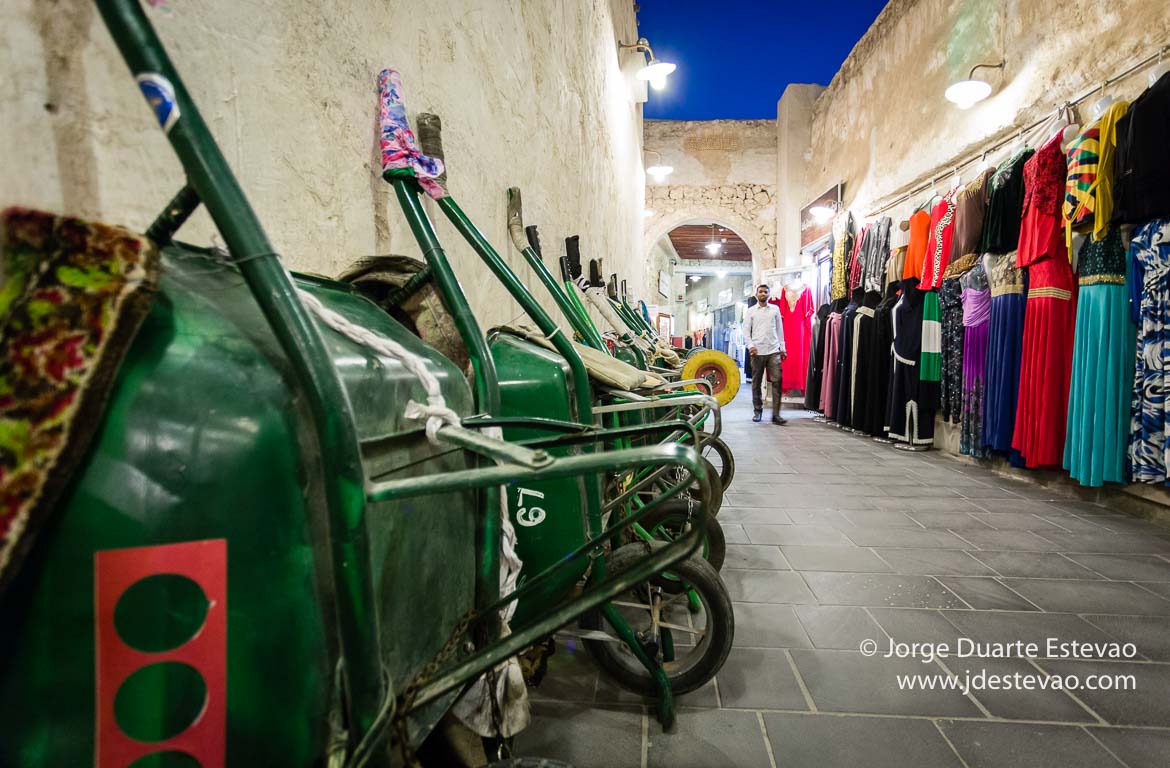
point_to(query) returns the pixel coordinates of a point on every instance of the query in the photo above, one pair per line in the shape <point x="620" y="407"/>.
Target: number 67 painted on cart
<point x="528" y="516"/>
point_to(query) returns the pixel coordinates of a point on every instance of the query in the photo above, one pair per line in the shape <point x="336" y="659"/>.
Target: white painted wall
<point x="531" y="94"/>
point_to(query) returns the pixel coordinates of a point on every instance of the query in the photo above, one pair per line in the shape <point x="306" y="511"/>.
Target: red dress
<point x="1049" y="314"/>
<point x="938" y="246"/>
<point x="796" y="311"/>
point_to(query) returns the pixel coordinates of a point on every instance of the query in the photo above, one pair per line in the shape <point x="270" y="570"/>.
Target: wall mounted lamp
<point x="655" y="71"/>
<point x="966" y="93"/>
<point x="659" y="171"/>
<point x="822" y="213"/>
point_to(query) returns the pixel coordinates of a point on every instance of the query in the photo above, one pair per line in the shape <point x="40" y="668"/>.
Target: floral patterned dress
<point x="950" y="297"/>
<point x="1149" y="443"/>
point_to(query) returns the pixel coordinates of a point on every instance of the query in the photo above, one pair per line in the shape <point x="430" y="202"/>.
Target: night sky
<point x="735" y="57"/>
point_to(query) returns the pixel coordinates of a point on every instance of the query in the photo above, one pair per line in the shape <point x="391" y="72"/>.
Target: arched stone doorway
<point x="663" y="222"/>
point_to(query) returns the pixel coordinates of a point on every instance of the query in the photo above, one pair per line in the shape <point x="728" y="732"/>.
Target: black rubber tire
<point x="726" y="460"/>
<point x="714" y="648"/>
<point x="672" y="515"/>
<point x="529" y="762"/>
<point x="716" y="488"/>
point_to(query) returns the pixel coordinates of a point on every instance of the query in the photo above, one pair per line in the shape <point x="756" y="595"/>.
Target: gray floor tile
<point x="994" y="682"/>
<point x="571" y="676"/>
<point x="710" y="738"/>
<point x="753" y="515"/>
<point x="908" y="625"/>
<point x="880" y="589"/>
<point x="1033" y="565"/>
<point x="755" y="556"/>
<point x="759" y="678"/>
<point x="1125" y="524"/>
<point x="584" y="735"/>
<point x="1074" y="523"/>
<point x="1090" y="596"/>
<point x="933" y="562"/>
<point x="1013" y="541"/>
<point x="733" y="533"/>
<point x="1010" y="626"/>
<point x="1158" y="588"/>
<point x="839" y="628"/>
<point x="847" y="558"/>
<point x="817" y="535"/>
<point x="979" y="491"/>
<point x="1123" y="543"/>
<point x="1004" y="745"/>
<point x="1018" y="506"/>
<point x="766" y="587"/>
<point x="1151" y="634"/>
<point x="1015" y="521"/>
<point x="1127" y="567"/>
<point x="956" y="521"/>
<point x="929" y="504"/>
<point x="762" y="625"/>
<point x="835" y="741"/>
<point x="1136" y="748"/>
<point x="1144" y="702"/>
<point x="879" y="518"/>
<point x="830" y="517"/>
<point x="846" y="681"/>
<point x="609" y="693"/>
<point x="905" y="537"/>
<point x="986" y="594"/>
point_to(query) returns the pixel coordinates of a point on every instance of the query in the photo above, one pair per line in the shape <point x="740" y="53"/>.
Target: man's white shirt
<point x="763" y="329"/>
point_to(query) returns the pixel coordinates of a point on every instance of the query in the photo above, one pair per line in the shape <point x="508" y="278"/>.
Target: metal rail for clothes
<point x="1014" y="134"/>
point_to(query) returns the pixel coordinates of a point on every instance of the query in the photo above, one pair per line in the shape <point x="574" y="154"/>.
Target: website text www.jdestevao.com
<point x="982" y="680"/>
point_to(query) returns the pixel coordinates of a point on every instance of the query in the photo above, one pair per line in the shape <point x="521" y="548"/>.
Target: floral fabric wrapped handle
<point x="400" y="152"/>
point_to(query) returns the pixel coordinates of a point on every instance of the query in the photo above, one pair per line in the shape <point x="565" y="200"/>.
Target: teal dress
<point x="1102" y="369"/>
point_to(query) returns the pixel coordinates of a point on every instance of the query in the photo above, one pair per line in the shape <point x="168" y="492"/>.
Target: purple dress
<point x="976" y="298"/>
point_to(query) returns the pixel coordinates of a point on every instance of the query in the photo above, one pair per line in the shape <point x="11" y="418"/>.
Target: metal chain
<point x="410" y="692"/>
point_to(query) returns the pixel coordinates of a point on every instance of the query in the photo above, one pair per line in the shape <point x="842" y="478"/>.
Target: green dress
<point x="1102" y="369"/>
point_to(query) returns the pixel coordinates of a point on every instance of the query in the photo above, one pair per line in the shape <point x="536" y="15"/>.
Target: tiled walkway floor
<point x="835" y="539"/>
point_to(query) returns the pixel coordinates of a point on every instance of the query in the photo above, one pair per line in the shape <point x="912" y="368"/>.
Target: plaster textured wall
<point x="724" y="171"/>
<point x="532" y="94"/>
<point x="793" y="153"/>
<point x="883" y="124"/>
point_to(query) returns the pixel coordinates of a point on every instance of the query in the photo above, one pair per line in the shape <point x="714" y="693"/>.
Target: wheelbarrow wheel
<point x="718" y="453"/>
<point x="671" y="519"/>
<point x="690" y="645"/>
<point x="693" y="490"/>
<point x="718" y="369"/>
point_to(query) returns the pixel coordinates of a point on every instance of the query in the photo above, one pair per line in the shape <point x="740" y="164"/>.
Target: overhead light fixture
<point x="655" y="71"/>
<point x="822" y="213"/>
<point x="713" y="247"/>
<point x="659" y="170"/>
<point x="647" y="213"/>
<point x="721" y="273"/>
<point x="967" y="93"/>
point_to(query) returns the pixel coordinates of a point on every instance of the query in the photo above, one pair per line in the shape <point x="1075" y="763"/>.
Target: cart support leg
<point x="665" y="706"/>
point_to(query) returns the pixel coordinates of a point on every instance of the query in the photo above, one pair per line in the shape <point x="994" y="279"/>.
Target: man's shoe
<point x="779" y="420"/>
<point x="758" y="416"/>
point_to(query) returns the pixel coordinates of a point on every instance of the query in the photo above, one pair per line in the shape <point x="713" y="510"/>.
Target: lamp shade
<point x="966" y="93"/>
<point x="659" y="171"/>
<point x="656" y="72"/>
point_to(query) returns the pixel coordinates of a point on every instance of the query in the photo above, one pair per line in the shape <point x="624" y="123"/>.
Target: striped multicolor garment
<point x="1081" y="182"/>
<point x="930" y="368"/>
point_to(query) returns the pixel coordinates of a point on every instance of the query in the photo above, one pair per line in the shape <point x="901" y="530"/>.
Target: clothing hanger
<point x="1074" y="128"/>
<point x="1101" y="104"/>
<point x="1160" y="69"/>
<point x="983" y="165"/>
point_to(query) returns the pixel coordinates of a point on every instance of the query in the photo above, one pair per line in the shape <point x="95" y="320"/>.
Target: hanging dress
<point x="796" y="309"/>
<point x="1005" y="336"/>
<point x="1046" y="361"/>
<point x="812" y="391"/>
<point x="843" y="410"/>
<point x="950" y="297"/>
<point x="976" y="297"/>
<point x="916" y="249"/>
<point x="1149" y="261"/>
<point x="1001" y="223"/>
<point x="910" y="417"/>
<point x="1102" y="369"/>
<point x="829" y="380"/>
<point x="863" y="362"/>
<point x="878" y="382"/>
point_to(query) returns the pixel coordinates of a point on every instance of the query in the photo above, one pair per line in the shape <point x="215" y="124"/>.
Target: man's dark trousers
<point x="772" y="363"/>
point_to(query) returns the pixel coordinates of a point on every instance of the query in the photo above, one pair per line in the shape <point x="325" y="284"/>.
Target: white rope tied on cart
<point x="436" y="413"/>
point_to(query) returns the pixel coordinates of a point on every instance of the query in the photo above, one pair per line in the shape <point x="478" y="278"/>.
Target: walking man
<point x="764" y="331"/>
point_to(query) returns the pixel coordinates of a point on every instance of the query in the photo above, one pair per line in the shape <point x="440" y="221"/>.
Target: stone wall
<point x="532" y="94"/>
<point x="724" y="171"/>
<point x="883" y="125"/>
